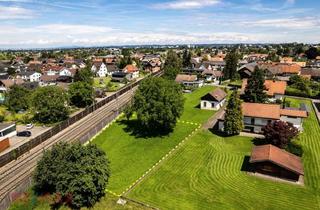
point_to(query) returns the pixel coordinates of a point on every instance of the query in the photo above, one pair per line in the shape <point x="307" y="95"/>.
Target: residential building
<point x="256" y="116"/>
<point x="30" y="76"/>
<point x="212" y="75"/>
<point x="132" y="70"/>
<point x="99" y="69"/>
<point x="274" y="89"/>
<point x="189" y="80"/>
<point x="213" y="100"/>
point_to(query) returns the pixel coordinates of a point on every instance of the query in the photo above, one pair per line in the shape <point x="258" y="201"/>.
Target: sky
<point x="44" y="23"/>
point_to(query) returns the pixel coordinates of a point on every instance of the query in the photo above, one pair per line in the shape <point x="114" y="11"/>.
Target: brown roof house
<point x="273" y="161"/>
<point x="213" y="100"/>
<point x="274" y="89"/>
<point x="212" y="75"/>
<point x="256" y="116"/>
<point x="189" y="80"/>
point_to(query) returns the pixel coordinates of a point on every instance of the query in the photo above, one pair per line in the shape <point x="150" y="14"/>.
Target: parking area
<point x="16" y="141"/>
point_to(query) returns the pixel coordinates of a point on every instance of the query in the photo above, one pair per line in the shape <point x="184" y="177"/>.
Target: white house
<point x="214" y="100"/>
<point x="256" y="116"/>
<point x="31" y="76"/>
<point x="35" y="77"/>
<point x="65" y="72"/>
<point x="189" y="80"/>
<point x="133" y="70"/>
<point x="99" y="69"/>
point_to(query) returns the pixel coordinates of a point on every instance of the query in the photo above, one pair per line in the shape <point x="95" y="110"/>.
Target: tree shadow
<point x="197" y="106"/>
<point x="134" y="128"/>
<point x="259" y="142"/>
<point x="246" y="165"/>
<point x="218" y="132"/>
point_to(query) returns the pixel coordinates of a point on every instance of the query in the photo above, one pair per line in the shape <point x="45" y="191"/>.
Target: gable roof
<point x="130" y="68"/>
<point x="273" y="87"/>
<point x="293" y="113"/>
<point x="185" y="78"/>
<point x="10" y="82"/>
<point x="269" y="111"/>
<point x="277" y="156"/>
<point x="217" y="95"/>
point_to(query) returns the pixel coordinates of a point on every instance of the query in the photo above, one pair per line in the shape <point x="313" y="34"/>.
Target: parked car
<point x="29" y="126"/>
<point x="24" y="134"/>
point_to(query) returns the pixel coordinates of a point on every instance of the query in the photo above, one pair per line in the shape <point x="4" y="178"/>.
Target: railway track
<point x="15" y="172"/>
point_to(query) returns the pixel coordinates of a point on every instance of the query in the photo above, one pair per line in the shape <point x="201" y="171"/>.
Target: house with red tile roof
<point x="274" y="89"/>
<point x="131" y="69"/>
<point x="257" y="115"/>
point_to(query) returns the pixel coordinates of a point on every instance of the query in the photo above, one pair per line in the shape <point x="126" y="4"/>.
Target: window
<point x="205" y="104"/>
<point x="212" y="104"/>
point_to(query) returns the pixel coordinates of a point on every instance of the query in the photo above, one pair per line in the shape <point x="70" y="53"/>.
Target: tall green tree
<point x="233" y="122"/>
<point x="17" y="98"/>
<point x="84" y="75"/>
<point x="172" y="65"/>
<point x="77" y="175"/>
<point x="255" y="89"/>
<point x="49" y="104"/>
<point x="81" y="94"/>
<point x="186" y="59"/>
<point x="230" y="70"/>
<point x="158" y="103"/>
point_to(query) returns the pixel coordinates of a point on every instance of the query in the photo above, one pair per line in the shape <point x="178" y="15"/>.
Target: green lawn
<point x="206" y="174"/>
<point x="43" y="203"/>
<point x="132" y="156"/>
<point x="192" y="112"/>
<point x="105" y="82"/>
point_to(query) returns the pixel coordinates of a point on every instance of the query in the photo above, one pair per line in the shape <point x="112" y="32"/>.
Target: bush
<point x="295" y="149"/>
<point x="1" y="118"/>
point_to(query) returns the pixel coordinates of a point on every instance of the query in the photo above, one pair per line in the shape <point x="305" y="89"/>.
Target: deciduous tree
<point x="49" y="104"/>
<point x="158" y="103"/>
<point x="77" y="175"/>
<point x="81" y="94"/>
<point x="280" y="133"/>
<point x="17" y="98"/>
<point x="84" y="75"/>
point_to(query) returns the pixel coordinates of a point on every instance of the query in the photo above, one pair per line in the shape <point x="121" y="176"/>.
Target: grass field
<point x="191" y="108"/>
<point x="131" y="155"/>
<point x="214" y="180"/>
<point x="43" y="203"/>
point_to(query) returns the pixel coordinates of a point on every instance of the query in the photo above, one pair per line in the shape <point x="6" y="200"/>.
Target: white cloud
<point x="84" y="35"/>
<point x="186" y="4"/>
<point x="8" y="13"/>
<point x="72" y="29"/>
<point x="288" y="23"/>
